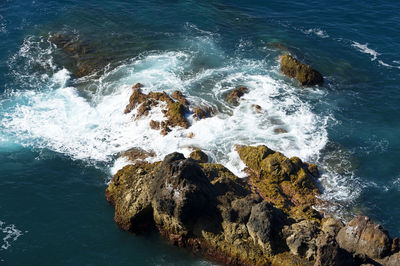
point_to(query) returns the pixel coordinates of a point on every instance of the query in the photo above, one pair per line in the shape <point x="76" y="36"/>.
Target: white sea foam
<point x="95" y="129"/>
<point x="9" y="233"/>
<point x="366" y="50"/>
<point x="316" y="31"/>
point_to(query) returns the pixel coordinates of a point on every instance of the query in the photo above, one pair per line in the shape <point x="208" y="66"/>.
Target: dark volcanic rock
<point x="303" y="73"/>
<point x="265" y="225"/>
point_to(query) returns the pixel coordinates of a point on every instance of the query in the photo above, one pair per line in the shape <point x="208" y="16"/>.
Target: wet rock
<point x="155" y="125"/>
<point x="202" y="112"/>
<point x="207" y="209"/>
<point x="303" y="73"/>
<point x="177" y="95"/>
<point x="137" y="154"/>
<point x="257" y="108"/>
<point x="264" y="226"/>
<point x="280" y="130"/>
<point x="331" y="226"/>
<point x="199" y="156"/>
<point x="301" y="238"/>
<point x="364" y="238"/>
<point x="234" y="96"/>
<point x="144" y="103"/>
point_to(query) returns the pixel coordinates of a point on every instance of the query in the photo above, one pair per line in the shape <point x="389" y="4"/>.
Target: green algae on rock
<point x="306" y="75"/>
<point x="287" y="183"/>
<point x="265" y="219"/>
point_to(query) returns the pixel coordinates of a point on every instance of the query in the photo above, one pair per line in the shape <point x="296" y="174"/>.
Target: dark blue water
<point x="59" y="136"/>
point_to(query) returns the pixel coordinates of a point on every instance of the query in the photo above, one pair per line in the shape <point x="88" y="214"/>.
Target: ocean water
<point x="60" y="136"/>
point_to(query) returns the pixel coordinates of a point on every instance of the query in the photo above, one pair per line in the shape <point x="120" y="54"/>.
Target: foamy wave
<point x="95" y="129"/>
<point x="9" y="234"/>
<point x="318" y="32"/>
<point x="364" y="49"/>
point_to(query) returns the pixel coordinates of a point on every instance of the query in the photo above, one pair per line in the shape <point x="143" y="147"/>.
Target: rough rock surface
<point x="362" y="237"/>
<point x="266" y="219"/>
<point x="211" y="212"/>
<point x="175" y="110"/>
<point x="199" y="156"/>
<point x="234" y="96"/>
<point x="137" y="154"/>
<point x="287" y="183"/>
<point x="302" y="72"/>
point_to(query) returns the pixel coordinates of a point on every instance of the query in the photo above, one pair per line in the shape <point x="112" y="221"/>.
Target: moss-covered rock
<point x="306" y="75"/>
<point x="234" y="96"/>
<point x="287" y="183"/>
<point x="175" y="112"/>
<point x="199" y="156"/>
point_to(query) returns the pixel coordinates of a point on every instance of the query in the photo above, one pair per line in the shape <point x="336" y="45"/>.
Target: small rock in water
<point x="302" y="72"/>
<point x="234" y="96"/>
<point x="280" y="130"/>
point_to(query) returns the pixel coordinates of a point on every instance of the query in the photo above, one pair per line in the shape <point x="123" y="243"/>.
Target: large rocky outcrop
<point x="305" y="74"/>
<point x="262" y="220"/>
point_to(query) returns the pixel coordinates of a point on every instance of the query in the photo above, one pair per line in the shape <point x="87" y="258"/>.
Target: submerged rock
<point x="85" y="57"/>
<point x="302" y="72"/>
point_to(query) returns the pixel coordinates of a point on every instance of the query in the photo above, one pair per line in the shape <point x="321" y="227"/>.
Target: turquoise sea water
<point x="59" y="136"/>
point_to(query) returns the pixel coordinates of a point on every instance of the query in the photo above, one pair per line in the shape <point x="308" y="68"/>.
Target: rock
<point x="303" y="73"/>
<point x="257" y="108"/>
<point x="137" y="154"/>
<point x="265" y="225"/>
<point x="329" y="253"/>
<point x="199" y="156"/>
<point x="393" y="260"/>
<point x="364" y="238"/>
<point x="202" y="112"/>
<point x="177" y="95"/>
<point x="331" y="226"/>
<point x="280" y="130"/>
<point x="284" y="182"/>
<point x="301" y="238"/>
<point x="234" y="96"/>
<point x="155" y="125"/>
<point x="395" y="245"/>
<point x="175" y="112"/>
